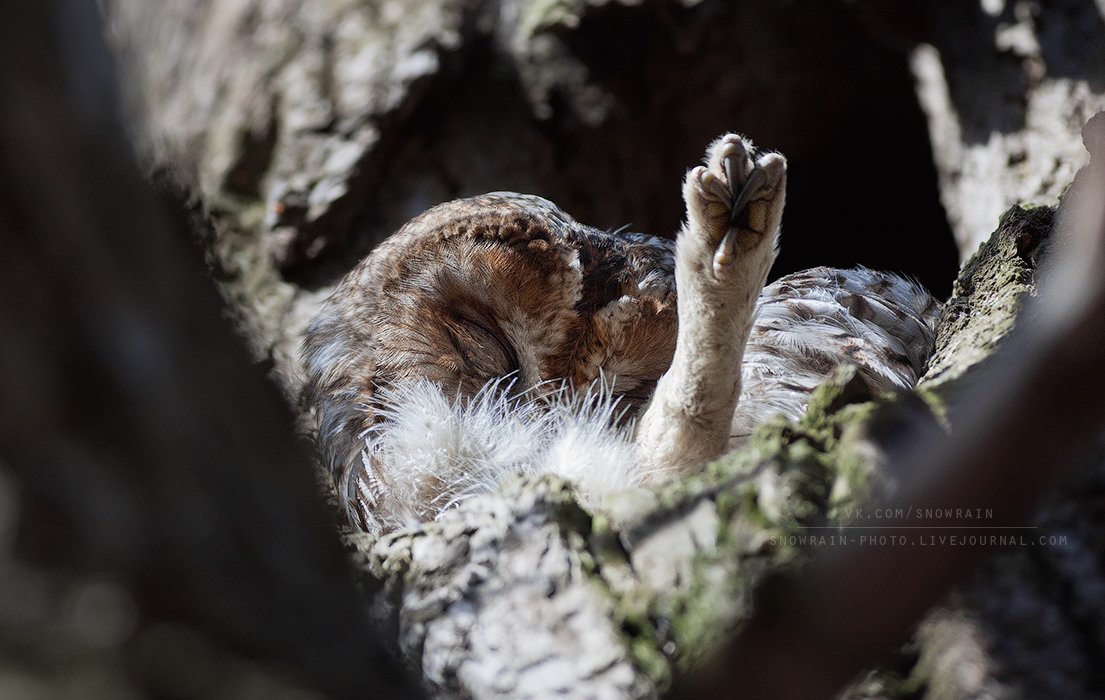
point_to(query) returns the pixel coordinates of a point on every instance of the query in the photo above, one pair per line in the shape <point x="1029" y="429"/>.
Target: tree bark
<point x="1006" y="88"/>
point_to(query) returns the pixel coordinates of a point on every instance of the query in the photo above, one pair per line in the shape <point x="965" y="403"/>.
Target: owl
<point x="495" y="335"/>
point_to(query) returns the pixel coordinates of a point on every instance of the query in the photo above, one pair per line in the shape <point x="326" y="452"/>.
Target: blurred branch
<point x="139" y="438"/>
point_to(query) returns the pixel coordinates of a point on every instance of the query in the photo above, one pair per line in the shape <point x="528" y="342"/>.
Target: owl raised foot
<point x="734" y="208"/>
<point x="723" y="254"/>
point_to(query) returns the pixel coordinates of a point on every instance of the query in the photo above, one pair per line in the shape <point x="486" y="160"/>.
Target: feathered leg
<point x="723" y="254"/>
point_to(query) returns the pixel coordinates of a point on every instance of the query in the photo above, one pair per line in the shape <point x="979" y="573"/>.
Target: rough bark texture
<point x="1006" y="87"/>
<point x="306" y="130"/>
<point x="1029" y="623"/>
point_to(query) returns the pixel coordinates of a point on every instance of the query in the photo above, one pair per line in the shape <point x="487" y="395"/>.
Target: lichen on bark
<point x="988" y="294"/>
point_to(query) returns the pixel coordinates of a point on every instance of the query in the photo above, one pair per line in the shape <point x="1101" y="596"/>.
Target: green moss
<point x="788" y="478"/>
<point x="651" y="662"/>
<point x="569" y="514"/>
<point x="844" y="387"/>
<point x="696" y="617"/>
<point x="988" y="292"/>
<point x="937" y="402"/>
<point x="644" y="640"/>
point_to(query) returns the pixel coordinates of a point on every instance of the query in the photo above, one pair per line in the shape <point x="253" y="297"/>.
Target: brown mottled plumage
<point x="468" y="345"/>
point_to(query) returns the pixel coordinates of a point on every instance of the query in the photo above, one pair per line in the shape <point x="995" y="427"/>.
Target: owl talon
<point x="713" y="185"/>
<point x="726" y="252"/>
<point x="755" y="182"/>
<point x="735" y="160"/>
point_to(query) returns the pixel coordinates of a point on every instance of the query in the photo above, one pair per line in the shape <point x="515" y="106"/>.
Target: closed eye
<point x="474" y="336"/>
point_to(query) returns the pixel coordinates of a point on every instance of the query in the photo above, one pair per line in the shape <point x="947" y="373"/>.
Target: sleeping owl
<point x="495" y="334"/>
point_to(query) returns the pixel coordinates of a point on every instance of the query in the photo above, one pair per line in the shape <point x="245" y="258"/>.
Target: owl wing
<point x="811" y="322"/>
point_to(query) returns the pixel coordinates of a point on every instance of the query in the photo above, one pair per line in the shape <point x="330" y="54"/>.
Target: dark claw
<point x="727" y="163"/>
<point x="756" y="180"/>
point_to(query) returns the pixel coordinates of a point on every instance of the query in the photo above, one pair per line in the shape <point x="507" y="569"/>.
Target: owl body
<point x="496" y="334"/>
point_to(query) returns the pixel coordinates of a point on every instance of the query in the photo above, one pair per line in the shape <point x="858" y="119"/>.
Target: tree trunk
<point x="160" y="531"/>
<point x="304" y="131"/>
<point x="1006" y="88"/>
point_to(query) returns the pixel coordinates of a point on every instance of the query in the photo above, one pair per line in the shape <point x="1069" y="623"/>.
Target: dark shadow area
<point x="141" y="445"/>
<point x="809" y="80"/>
<point x="1073" y="42"/>
<point x="870" y="197"/>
